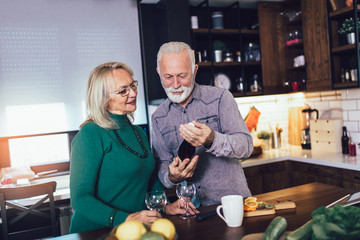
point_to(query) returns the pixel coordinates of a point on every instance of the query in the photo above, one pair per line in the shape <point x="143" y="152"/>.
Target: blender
<point x="305" y="132"/>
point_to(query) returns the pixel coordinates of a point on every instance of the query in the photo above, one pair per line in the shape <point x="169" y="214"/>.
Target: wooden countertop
<point x="307" y="198"/>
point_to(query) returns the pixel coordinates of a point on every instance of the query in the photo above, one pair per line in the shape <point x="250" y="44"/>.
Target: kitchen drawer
<point x="325" y="135"/>
<point x="327" y="146"/>
<point x="306" y="173"/>
<point x="322" y="135"/>
<point x="326" y="124"/>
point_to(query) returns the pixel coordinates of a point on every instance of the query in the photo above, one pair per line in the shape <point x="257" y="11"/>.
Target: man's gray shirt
<point x="218" y="172"/>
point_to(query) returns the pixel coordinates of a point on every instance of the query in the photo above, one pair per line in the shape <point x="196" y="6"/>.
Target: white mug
<point x="233" y="209"/>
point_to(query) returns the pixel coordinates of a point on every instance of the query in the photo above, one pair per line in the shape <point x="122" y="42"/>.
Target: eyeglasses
<point x="126" y="90"/>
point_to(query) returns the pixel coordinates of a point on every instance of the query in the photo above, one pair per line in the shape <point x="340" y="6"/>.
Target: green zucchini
<point x="275" y="229"/>
<point x="302" y="233"/>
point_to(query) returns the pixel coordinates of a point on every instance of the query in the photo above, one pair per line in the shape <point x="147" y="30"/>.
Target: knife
<point x="343" y="199"/>
<point x="202" y="216"/>
<point x="350" y="203"/>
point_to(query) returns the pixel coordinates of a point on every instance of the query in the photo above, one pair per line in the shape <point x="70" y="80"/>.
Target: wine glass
<point x="185" y="191"/>
<point x="156" y="200"/>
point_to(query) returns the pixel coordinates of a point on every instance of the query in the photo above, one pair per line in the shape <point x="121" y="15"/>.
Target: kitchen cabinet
<point x="344" y="54"/>
<point x="267" y="177"/>
<point x="278" y="24"/>
<point x="164" y="21"/>
<point x="351" y="179"/>
<point x="316" y="45"/>
<point x="302" y="173"/>
<point x="274" y="176"/>
<point x="272" y="48"/>
<point x="239" y="41"/>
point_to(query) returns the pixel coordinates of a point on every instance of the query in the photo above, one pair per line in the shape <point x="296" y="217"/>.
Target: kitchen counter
<point x="306" y="197"/>
<point x="292" y="153"/>
<point x="296" y="153"/>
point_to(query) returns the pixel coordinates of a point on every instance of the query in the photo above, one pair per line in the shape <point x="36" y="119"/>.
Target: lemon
<point x="130" y="230"/>
<point x="165" y="227"/>
<point x="251" y="204"/>
<point x="250" y="199"/>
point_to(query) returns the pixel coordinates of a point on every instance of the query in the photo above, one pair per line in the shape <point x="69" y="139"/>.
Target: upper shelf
<point x="229" y="64"/>
<point x="342" y="12"/>
<point x="226" y="31"/>
<point x="343" y="49"/>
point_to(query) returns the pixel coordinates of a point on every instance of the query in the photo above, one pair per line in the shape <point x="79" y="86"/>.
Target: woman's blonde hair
<point x="97" y="95"/>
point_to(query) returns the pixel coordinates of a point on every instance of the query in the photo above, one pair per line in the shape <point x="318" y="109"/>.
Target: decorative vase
<point x="350" y="38"/>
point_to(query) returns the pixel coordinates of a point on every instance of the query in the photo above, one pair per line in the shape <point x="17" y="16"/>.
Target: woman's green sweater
<point x="105" y="176"/>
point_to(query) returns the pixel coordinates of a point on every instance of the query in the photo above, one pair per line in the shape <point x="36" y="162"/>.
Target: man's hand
<point x="179" y="207"/>
<point x="180" y="170"/>
<point x="197" y="135"/>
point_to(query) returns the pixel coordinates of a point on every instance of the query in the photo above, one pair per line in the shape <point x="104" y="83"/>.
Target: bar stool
<point x="21" y="221"/>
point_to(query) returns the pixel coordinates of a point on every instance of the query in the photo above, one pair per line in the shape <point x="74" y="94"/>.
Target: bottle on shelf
<point x="345" y="142"/>
<point x="255" y="86"/>
<point x="239" y="84"/>
<point x="204" y="56"/>
<point x="238" y="56"/>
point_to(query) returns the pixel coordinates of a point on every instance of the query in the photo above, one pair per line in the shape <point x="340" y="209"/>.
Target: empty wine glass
<point x="185" y="191"/>
<point x="156" y="200"/>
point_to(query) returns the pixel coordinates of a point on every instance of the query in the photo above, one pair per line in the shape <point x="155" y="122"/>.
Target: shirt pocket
<point x="211" y="121"/>
<point x="169" y="135"/>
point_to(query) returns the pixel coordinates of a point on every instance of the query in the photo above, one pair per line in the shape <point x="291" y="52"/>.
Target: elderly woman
<point x="112" y="167"/>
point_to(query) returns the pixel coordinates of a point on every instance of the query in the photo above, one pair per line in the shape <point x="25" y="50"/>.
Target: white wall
<point x="47" y="50"/>
<point x="274" y="109"/>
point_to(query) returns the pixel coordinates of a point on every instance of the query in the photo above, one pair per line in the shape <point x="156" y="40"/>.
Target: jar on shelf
<point x="217" y="20"/>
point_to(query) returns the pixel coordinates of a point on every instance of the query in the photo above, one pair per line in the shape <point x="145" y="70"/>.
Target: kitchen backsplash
<point x="274" y="109"/>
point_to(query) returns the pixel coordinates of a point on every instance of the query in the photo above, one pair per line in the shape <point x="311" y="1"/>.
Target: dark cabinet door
<point x="302" y="173"/>
<point x="272" y="47"/>
<point x="351" y="179"/>
<point x="316" y="45"/>
<point x="267" y="177"/>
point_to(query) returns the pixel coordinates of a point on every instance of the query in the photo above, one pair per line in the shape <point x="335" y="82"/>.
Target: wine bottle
<point x="345" y="142"/>
<point x="186" y="150"/>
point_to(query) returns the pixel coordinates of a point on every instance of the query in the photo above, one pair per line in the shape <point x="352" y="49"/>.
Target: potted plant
<point x="265" y="137"/>
<point x="348" y="28"/>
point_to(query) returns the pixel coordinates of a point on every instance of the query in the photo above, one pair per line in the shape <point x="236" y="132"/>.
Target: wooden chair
<point x="28" y="222"/>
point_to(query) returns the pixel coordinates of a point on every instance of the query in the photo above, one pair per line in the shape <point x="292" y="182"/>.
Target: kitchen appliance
<point x="305" y="132"/>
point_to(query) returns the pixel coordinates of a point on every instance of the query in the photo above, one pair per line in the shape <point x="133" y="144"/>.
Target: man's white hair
<point x="176" y="47"/>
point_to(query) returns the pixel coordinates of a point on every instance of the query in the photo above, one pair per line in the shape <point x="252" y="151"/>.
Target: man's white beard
<point x="186" y="91"/>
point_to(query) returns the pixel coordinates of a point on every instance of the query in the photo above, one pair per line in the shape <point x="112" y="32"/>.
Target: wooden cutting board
<point x="278" y="205"/>
<point x="295" y="125"/>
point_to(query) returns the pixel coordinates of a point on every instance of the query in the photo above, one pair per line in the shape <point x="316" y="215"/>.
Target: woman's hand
<point x="178" y="207"/>
<point x="146" y="217"/>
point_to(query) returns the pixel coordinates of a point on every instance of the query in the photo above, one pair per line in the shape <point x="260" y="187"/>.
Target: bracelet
<point x="111" y="218"/>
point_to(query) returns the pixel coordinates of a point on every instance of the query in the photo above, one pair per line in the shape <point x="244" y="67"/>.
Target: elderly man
<point x="217" y="131"/>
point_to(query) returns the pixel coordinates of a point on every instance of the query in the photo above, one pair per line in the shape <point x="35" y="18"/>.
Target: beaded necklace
<point x="128" y="148"/>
